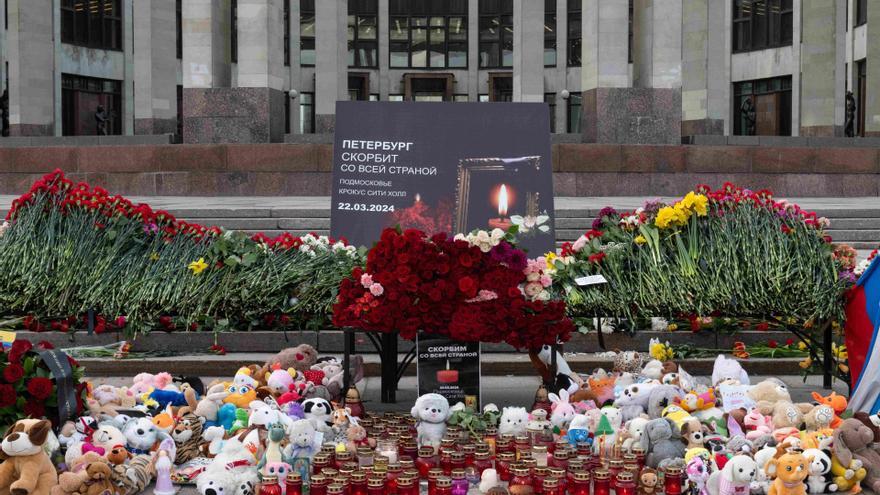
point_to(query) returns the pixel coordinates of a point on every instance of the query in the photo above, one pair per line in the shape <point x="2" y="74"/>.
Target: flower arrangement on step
<point x="68" y="248"/>
<point x="730" y="251"/>
<point x="475" y="287"/>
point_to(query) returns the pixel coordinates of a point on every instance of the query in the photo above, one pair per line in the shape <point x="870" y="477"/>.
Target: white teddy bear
<point x="431" y="411"/>
<point x="233" y="471"/>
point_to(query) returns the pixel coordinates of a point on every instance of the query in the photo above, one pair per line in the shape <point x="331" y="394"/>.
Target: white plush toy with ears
<point x="431" y="411"/>
<point x="514" y="421"/>
<point x="562" y="410"/>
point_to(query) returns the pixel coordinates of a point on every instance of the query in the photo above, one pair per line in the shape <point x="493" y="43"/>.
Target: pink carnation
<point x="366" y="280"/>
<point x="377" y="289"/>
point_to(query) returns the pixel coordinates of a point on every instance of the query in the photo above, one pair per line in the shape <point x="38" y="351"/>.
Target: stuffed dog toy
<point x="26" y="468"/>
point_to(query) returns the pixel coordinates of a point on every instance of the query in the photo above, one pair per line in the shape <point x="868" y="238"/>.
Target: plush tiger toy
<point x="187" y="436"/>
<point x="133" y="477"/>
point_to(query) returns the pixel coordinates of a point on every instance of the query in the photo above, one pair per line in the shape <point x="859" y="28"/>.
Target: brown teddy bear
<point x="26" y="468"/>
<point x="300" y="358"/>
<point x="648" y="480"/>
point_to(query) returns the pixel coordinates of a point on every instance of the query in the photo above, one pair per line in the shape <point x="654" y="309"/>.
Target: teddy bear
<point x="303" y="444"/>
<point x="820" y="417"/>
<point x="836" y="402"/>
<point x="26" y="468"/>
<point x="661" y="442"/>
<point x="300" y="358"/>
<point x="770" y="390"/>
<point x="280" y="380"/>
<point x="635" y="429"/>
<point x="333" y="377"/>
<point x="735" y="478"/>
<point x="514" y="421"/>
<point x="232" y="468"/>
<point x="785" y="414"/>
<point x="790" y="470"/>
<point x="356" y="437"/>
<point x="431" y="412"/>
<point x="852" y="441"/>
<point x="648" y="480"/>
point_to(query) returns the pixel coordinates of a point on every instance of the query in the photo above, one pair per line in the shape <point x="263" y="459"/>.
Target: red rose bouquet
<point x="468" y="288"/>
<point x="27" y="387"/>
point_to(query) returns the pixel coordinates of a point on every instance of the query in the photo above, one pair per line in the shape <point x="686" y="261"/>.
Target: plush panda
<point x="820" y="479"/>
<point x="319" y="412"/>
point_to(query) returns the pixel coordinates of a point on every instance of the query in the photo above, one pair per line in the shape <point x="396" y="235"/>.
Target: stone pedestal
<point x="31" y="52"/>
<point x="233" y="115"/>
<point x="631" y="115"/>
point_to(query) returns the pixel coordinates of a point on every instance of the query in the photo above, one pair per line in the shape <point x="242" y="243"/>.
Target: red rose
<point x="772" y="344"/>
<point x="45" y="345"/>
<point x="763" y="326"/>
<point x="789" y="342"/>
<point x="468" y="286"/>
<point x="40" y="388"/>
<point x="7" y="395"/>
<point x="19" y="348"/>
<point x="34" y="409"/>
<point x="13" y="373"/>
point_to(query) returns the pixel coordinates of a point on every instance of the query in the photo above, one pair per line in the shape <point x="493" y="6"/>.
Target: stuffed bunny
<point x="852" y="440"/>
<point x="562" y="410"/>
<point x="661" y="441"/>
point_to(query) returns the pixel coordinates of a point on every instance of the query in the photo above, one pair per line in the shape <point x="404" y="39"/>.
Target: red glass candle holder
<point x="539" y="474"/>
<point x="551" y="486"/>
<point x="407" y="486"/>
<point x="425" y="461"/>
<point x="433" y="475"/>
<point x="443" y="486"/>
<point x="375" y="486"/>
<point x="580" y="484"/>
<point x="270" y="486"/>
<point x="602" y="482"/>
<point x="672" y="481"/>
<point x="318" y="484"/>
<point x="336" y="489"/>
<point x="625" y="484"/>
<point x="482" y="462"/>
<point x="293" y="484"/>
<point x="503" y="464"/>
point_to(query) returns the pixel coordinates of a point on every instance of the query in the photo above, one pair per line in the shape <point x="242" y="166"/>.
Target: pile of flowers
<point x="68" y="248"/>
<point x="729" y="251"/>
<point x="475" y="287"/>
<point x="27" y="389"/>
<point x="865" y="263"/>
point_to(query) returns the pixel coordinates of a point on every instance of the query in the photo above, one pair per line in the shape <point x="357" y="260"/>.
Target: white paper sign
<point x="735" y="397"/>
<point x="591" y="280"/>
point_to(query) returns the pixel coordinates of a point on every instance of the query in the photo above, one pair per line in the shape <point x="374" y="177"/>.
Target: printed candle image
<point x="448" y="375"/>
<point x="502" y="222"/>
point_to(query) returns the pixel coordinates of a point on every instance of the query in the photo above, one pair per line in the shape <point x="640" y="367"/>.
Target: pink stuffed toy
<point x="757" y="425"/>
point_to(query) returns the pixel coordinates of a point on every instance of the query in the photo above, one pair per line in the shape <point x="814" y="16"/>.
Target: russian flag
<point x="863" y="348"/>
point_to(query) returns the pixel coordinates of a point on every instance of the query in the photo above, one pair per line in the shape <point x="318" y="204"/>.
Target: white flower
<point x="859" y="269"/>
<point x="459" y="237"/>
<point x="659" y="324"/>
<point x="3" y="228"/>
<point x="497" y="234"/>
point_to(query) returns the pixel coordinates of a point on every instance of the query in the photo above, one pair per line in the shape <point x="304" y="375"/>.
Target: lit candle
<point x="447" y="375"/>
<point x="502" y="222"/>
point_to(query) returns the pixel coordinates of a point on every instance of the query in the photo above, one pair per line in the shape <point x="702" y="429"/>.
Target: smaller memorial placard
<point x="449" y="368"/>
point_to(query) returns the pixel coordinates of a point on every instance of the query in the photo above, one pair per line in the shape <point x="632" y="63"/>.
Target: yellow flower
<point x="661" y="352"/>
<point x="843" y="368"/>
<point x="640" y="239"/>
<point x="806" y="363"/>
<point x="672" y="327"/>
<point x="802" y="346"/>
<point x="698" y="203"/>
<point x="198" y="266"/>
<point x="154" y="256"/>
<point x="665" y="217"/>
<point x="548" y="258"/>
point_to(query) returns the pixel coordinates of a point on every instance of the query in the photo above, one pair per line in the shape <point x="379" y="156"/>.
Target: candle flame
<point x="502" y="200"/>
<point x="418" y="197"/>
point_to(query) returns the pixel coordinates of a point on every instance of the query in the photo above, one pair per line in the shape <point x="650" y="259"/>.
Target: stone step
<point x="331" y="341"/>
<point x="490" y="365"/>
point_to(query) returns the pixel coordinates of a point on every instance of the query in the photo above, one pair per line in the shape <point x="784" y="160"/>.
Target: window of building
<point x="395" y="97"/>
<point x="358" y="86"/>
<point x="307" y="32"/>
<point x="363" y="27"/>
<point x="426" y="34"/>
<point x="374" y="96"/>
<point x="496" y="33"/>
<point x="550" y="100"/>
<point x="501" y="87"/>
<point x="286" y="16"/>
<point x="460" y="98"/>
<point x="574" y="33"/>
<point x="861" y="12"/>
<point x="92" y="23"/>
<point x="762" y="107"/>
<point x="80" y="99"/>
<point x="759" y="24"/>
<point x="549" y="33"/>
<point x="484" y="98"/>
<point x="233" y="31"/>
<point x="307" y="112"/>
<point x="179" y="26"/>
<point x="573" y="107"/>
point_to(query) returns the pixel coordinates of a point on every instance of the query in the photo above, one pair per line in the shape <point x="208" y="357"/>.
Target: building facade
<point x="620" y="71"/>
